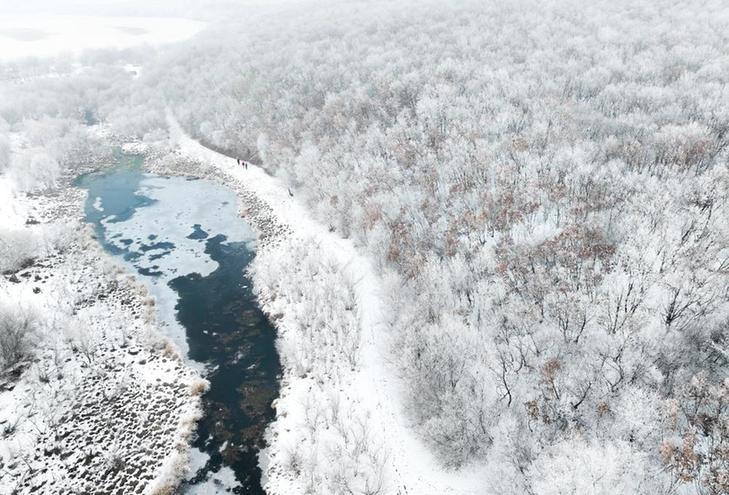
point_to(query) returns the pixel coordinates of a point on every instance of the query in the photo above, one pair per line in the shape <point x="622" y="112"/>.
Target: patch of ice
<point x="171" y="217"/>
<point x="198" y="459"/>
<point x="223" y="481"/>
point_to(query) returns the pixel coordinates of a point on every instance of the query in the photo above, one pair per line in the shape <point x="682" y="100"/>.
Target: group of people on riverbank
<point x="245" y="164"/>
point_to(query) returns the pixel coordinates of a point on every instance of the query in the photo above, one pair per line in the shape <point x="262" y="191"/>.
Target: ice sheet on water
<point x="161" y="241"/>
<point x="222" y="481"/>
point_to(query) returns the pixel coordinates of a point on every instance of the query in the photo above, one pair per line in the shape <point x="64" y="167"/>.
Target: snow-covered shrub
<point x="18" y="331"/>
<point x="18" y="247"/>
<point x="199" y="387"/>
<point x="34" y="170"/>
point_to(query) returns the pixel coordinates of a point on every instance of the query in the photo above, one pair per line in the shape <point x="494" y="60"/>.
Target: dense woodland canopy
<point x="548" y="183"/>
<point x="544" y="186"/>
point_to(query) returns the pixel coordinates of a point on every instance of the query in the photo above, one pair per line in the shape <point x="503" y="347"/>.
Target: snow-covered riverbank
<point x="105" y="403"/>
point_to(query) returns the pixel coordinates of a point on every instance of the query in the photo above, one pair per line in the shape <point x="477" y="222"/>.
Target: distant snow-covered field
<point x="43" y="36"/>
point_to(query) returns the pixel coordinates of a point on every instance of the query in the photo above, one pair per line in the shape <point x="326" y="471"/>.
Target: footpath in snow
<point x="411" y="468"/>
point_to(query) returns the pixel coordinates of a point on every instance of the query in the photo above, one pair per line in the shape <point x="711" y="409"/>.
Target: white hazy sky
<point x="47" y="35"/>
<point x="204" y="9"/>
<point x="49" y="27"/>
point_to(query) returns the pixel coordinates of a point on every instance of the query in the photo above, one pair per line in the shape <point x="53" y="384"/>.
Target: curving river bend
<point x="185" y="240"/>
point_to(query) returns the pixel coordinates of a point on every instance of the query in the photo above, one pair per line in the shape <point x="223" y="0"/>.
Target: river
<point x="186" y="242"/>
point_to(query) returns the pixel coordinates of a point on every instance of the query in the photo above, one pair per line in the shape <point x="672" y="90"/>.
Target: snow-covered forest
<point x="541" y="186"/>
<point x="544" y="185"/>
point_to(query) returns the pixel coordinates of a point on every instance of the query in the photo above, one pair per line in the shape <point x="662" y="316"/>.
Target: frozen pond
<point x="185" y="240"/>
<point x="44" y="36"/>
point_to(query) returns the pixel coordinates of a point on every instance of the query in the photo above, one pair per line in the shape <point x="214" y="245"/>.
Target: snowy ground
<point x="106" y="405"/>
<point x="44" y="36"/>
<point x="319" y="387"/>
